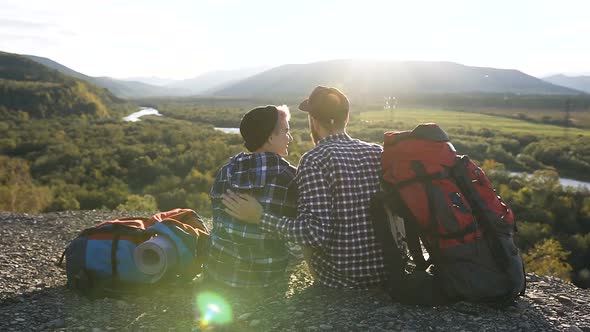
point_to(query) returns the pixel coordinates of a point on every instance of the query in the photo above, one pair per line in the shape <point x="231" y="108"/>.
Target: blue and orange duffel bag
<point x="103" y="260"/>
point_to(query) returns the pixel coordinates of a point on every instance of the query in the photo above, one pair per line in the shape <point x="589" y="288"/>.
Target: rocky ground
<point x="33" y="297"/>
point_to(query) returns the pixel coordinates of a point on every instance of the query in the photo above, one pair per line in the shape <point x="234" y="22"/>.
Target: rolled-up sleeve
<point x="313" y="224"/>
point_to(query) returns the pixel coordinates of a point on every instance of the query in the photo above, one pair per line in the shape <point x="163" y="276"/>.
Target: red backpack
<point x="448" y="202"/>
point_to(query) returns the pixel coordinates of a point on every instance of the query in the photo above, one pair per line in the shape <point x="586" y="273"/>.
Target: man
<point x="336" y="181"/>
<point x="242" y="255"/>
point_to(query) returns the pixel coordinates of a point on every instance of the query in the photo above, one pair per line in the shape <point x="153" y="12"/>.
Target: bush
<point x="64" y="203"/>
<point x="530" y="233"/>
<point x="145" y="203"/>
<point x="548" y="258"/>
<point x="17" y="191"/>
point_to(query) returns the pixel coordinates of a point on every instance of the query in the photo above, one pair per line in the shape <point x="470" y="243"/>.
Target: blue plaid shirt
<point x="243" y="255"/>
<point x="336" y="181"/>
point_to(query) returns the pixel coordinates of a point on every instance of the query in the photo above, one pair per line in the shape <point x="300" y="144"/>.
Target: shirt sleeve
<point x="314" y="221"/>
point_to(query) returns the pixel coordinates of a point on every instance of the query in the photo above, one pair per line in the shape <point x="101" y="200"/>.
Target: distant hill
<point x="151" y="80"/>
<point x="120" y="88"/>
<point x="215" y="80"/>
<point x="31" y="87"/>
<point x="385" y="78"/>
<point x="581" y="83"/>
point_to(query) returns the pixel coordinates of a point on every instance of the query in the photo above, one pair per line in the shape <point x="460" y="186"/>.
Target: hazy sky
<point x="181" y="39"/>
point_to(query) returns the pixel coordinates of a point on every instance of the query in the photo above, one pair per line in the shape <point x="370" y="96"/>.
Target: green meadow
<point x="407" y="118"/>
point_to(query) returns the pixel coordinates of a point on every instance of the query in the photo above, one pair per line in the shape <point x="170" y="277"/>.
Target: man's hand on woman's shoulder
<point x="243" y="207"/>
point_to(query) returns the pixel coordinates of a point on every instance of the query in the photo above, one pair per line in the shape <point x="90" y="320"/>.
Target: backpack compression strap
<point x="114" y="247"/>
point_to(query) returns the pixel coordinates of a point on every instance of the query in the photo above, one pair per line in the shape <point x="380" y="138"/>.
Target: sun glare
<point x="212" y="309"/>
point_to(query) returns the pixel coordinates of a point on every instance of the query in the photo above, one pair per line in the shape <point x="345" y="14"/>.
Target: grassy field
<point x="404" y="119"/>
<point x="579" y="118"/>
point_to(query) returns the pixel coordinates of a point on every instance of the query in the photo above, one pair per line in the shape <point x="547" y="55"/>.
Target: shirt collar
<point x="334" y="137"/>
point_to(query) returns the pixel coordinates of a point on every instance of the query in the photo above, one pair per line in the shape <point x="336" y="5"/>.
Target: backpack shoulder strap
<point x="381" y="218"/>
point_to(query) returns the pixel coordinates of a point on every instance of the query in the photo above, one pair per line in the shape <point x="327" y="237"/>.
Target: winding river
<point x="563" y="181"/>
<point x="228" y="130"/>
<point x="134" y="117"/>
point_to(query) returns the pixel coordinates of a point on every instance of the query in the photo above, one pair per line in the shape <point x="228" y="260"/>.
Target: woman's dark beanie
<point x="257" y="126"/>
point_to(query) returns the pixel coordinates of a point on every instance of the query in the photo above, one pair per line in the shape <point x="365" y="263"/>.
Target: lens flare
<point x="213" y="309"/>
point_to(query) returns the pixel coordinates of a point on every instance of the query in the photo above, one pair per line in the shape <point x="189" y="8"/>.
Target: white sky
<point x="183" y="38"/>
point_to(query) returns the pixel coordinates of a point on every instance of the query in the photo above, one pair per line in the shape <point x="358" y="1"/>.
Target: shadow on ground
<point x="294" y="305"/>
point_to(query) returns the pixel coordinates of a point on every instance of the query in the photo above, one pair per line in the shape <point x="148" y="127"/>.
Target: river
<point x="134" y="117"/>
<point x="228" y="130"/>
<point x="564" y="181"/>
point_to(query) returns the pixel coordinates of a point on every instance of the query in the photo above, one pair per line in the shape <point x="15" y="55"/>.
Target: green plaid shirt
<point x="242" y="255"/>
<point x="336" y="181"/>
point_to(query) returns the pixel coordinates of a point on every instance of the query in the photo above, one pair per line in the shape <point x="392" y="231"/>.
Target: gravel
<point x="33" y="297"/>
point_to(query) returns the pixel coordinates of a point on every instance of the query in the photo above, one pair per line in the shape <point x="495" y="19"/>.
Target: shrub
<point x="548" y="258"/>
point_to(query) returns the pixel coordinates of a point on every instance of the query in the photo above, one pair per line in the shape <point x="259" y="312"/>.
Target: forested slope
<point x="41" y="92"/>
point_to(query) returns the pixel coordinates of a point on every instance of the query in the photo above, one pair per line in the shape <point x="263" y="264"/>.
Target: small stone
<point x="574" y="329"/>
<point x="514" y="314"/>
<point x="244" y="316"/>
<point x="565" y="300"/>
<point x="56" y="323"/>
<point x="525" y="326"/>
<point x="388" y="310"/>
<point x="254" y="323"/>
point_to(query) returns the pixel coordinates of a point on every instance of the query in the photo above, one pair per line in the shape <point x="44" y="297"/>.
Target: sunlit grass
<point x="579" y="118"/>
<point x="409" y="118"/>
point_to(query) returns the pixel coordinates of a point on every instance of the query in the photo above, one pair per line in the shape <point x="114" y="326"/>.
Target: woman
<point x="242" y="255"/>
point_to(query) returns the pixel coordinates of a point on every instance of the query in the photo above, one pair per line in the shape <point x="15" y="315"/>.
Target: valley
<point x="65" y="146"/>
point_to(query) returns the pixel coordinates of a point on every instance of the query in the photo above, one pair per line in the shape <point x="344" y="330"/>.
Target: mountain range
<point x="356" y="77"/>
<point x="210" y="82"/>
<point x="383" y="78"/>
<point x="120" y="88"/>
<point x="151" y="80"/>
<point x="581" y="83"/>
<point x="156" y="87"/>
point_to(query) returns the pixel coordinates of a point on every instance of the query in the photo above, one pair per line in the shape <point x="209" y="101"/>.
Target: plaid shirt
<point x="336" y="182"/>
<point x="243" y="255"/>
